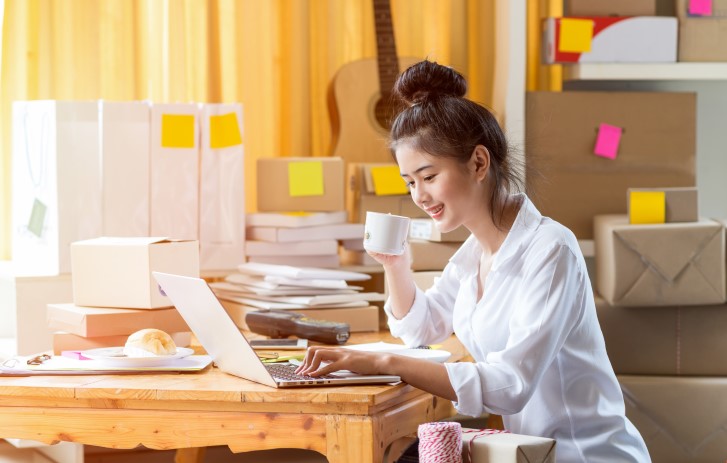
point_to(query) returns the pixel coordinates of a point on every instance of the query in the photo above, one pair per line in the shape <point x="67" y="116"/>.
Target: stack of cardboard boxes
<point x="661" y="280"/>
<point x="115" y="294"/>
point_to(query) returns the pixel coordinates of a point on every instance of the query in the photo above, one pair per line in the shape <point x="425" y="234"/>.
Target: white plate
<point x="114" y="356"/>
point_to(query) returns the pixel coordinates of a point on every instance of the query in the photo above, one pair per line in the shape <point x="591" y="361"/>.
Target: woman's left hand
<point x="321" y="360"/>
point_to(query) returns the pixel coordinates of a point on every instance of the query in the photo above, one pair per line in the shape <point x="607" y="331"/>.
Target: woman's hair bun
<point x="427" y="80"/>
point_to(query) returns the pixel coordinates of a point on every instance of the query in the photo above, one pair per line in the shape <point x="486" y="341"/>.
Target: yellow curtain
<point x="276" y="57"/>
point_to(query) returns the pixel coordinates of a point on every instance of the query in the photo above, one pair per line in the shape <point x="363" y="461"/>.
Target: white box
<point x="23" y="302"/>
<point x="125" y="135"/>
<point x="174" y="171"/>
<point x="116" y="272"/>
<point x="484" y="446"/>
<point x="626" y="39"/>
<point x="56" y="183"/>
<point x="221" y="187"/>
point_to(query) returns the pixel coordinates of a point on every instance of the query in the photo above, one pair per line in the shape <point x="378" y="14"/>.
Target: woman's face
<point x="449" y="192"/>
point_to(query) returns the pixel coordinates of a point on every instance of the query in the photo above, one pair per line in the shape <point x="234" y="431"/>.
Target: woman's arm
<point x="399" y="281"/>
<point x="426" y="375"/>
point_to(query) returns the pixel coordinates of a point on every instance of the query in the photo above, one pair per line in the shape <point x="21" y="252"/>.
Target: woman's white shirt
<point x="540" y="357"/>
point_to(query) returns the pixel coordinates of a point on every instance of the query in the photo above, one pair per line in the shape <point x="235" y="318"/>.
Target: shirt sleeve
<point x="549" y="305"/>
<point x="429" y="320"/>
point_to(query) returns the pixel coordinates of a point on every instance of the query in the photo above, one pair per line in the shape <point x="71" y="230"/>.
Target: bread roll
<point x="148" y="343"/>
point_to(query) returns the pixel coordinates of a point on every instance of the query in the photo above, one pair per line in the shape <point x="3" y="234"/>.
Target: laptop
<point x="229" y="348"/>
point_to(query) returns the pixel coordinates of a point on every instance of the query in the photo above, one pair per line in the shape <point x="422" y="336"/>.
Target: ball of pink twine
<point x="440" y="442"/>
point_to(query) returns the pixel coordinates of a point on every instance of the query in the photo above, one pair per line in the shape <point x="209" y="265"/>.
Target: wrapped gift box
<point x="659" y="264"/>
<point x="681" y="419"/>
<point x="683" y="340"/>
<point x="486" y="446"/>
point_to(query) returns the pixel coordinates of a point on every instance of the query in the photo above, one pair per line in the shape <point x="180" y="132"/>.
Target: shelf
<point x="645" y="71"/>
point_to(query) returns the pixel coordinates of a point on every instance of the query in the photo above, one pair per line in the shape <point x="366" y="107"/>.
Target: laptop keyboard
<point x="286" y="371"/>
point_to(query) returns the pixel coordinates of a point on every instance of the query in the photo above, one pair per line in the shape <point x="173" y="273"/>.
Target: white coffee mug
<point x="385" y="233"/>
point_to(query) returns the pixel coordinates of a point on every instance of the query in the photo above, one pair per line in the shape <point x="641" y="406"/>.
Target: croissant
<point x="149" y="342"/>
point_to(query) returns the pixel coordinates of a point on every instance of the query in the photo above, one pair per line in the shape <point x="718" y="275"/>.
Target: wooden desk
<point x="175" y="411"/>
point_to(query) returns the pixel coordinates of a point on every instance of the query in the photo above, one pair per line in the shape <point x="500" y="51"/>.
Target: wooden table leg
<point x="190" y="455"/>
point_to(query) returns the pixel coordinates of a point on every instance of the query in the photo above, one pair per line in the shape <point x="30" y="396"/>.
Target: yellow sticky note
<point x="224" y="131"/>
<point x="388" y="181"/>
<point x="177" y="131"/>
<point x="305" y="178"/>
<point x="575" y="35"/>
<point x="647" y="207"/>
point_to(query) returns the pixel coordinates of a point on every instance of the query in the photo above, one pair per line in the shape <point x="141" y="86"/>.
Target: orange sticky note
<point x="305" y="178"/>
<point x="647" y="207"/>
<point x="224" y="131"/>
<point x="575" y="35"/>
<point x="388" y="181"/>
<point x="177" y="131"/>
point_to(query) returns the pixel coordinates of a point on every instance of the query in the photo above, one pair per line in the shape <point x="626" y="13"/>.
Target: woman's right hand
<point x="392" y="261"/>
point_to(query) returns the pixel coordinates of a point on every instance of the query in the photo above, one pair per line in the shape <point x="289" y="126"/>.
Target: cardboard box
<point x="634" y="39"/>
<point x="67" y="341"/>
<point x="103" y="321"/>
<point x="300" y="184"/>
<point x="23" y="302"/>
<point x="678" y="341"/>
<point x="431" y="255"/>
<point x="659" y="265"/>
<point x="702" y="38"/>
<point x="569" y="183"/>
<point x="116" y="272"/>
<point x="361" y="195"/>
<point x="426" y="229"/>
<point x="681" y="419"/>
<point x="610" y="8"/>
<point x="359" y="319"/>
<point x="681" y="204"/>
<point x="491" y="446"/>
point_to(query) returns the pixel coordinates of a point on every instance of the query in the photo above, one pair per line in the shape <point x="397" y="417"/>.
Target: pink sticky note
<point x="609" y="137"/>
<point x="74" y="354"/>
<point x="700" y="7"/>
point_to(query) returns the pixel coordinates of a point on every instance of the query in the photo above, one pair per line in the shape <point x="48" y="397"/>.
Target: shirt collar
<point x="527" y="221"/>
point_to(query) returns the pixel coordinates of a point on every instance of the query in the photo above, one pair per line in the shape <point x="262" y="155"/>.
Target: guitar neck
<point x="385" y="47"/>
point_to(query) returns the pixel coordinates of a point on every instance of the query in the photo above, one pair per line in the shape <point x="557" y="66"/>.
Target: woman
<point x="516" y="294"/>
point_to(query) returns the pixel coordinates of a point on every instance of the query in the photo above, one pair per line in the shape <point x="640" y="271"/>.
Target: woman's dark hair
<point x="441" y="122"/>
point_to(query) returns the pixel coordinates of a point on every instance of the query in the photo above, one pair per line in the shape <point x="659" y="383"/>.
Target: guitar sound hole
<point x="384" y="111"/>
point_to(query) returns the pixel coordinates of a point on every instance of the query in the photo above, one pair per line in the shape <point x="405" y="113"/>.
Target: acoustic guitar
<point x="360" y="100"/>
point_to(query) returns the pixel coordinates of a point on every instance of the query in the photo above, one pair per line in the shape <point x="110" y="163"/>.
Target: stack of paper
<point x="305" y="239"/>
<point x="315" y="292"/>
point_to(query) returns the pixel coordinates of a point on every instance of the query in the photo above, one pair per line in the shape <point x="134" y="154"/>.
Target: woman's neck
<point x="491" y="235"/>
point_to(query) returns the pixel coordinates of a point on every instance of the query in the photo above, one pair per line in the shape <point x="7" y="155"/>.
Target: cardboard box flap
<point x="663" y="406"/>
<point x="651" y="246"/>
